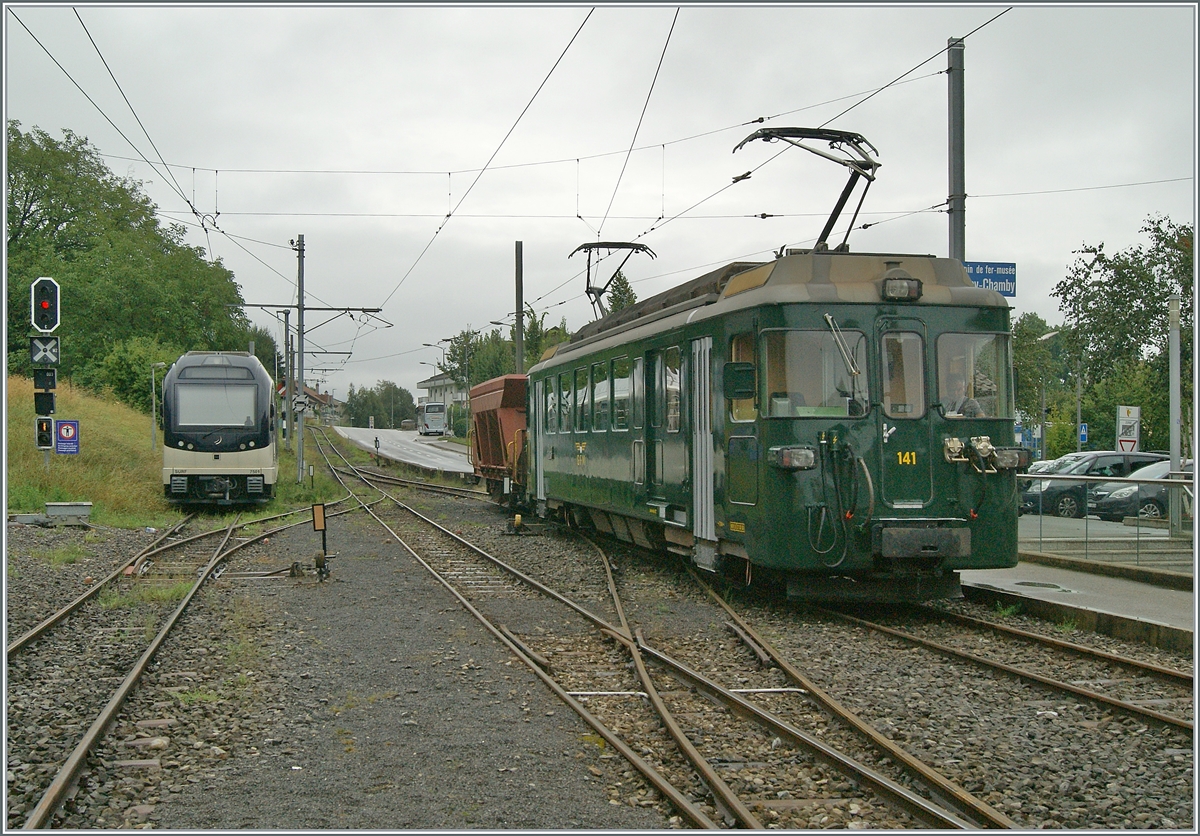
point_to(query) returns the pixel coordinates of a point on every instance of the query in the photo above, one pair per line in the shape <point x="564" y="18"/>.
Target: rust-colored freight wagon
<point x="497" y="440"/>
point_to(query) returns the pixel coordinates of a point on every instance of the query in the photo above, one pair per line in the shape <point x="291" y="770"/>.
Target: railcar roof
<point x="800" y="276"/>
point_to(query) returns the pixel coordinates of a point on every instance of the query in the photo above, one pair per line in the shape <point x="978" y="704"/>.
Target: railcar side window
<point x="656" y="389"/>
<point x="903" y="374"/>
<point x="564" y="402"/>
<point x="600" y="397"/>
<point x="620" y="393"/>
<point x="741" y="350"/>
<point x="581" y="400"/>
<point x="551" y="407"/>
<point x="673" y="380"/>
<point x="639" y="394"/>
<point x="807" y="375"/>
<point x="973" y="375"/>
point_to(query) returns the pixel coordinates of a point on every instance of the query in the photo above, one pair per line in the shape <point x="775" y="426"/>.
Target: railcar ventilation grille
<point x="254" y="484"/>
<point x="178" y="484"/>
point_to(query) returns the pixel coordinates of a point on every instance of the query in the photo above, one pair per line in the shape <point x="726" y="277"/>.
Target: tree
<point x="620" y="293"/>
<point x="1117" y="315"/>
<point x="388" y="403"/>
<point x="122" y="274"/>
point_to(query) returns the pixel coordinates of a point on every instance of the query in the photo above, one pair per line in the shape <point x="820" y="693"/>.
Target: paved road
<point x="407" y="446"/>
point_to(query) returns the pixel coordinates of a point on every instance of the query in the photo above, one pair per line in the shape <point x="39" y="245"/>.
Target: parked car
<point x="1119" y="499"/>
<point x="1040" y="466"/>
<point x="1064" y="498"/>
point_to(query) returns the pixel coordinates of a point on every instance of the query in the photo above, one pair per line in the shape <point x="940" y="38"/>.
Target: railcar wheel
<point x="1067" y="506"/>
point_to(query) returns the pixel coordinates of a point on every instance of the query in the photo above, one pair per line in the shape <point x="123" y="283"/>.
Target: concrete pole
<point x="957" y="200"/>
<point x="300" y="358"/>
<point x="287" y="392"/>
<point x="519" y="338"/>
<point x="1175" y="503"/>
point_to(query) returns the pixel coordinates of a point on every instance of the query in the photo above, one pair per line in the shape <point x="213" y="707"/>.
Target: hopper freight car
<point x="497" y="443"/>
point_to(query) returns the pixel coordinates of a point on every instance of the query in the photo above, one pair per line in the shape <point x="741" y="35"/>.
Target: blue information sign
<point x="991" y="275"/>
<point x="1083" y="433"/>
<point x="66" y="437"/>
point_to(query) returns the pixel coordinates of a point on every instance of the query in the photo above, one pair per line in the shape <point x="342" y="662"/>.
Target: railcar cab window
<point x="741" y="350"/>
<point x="216" y="396"/>
<point x="903" y="355"/>
<point x="807" y="374"/>
<point x="973" y="379"/>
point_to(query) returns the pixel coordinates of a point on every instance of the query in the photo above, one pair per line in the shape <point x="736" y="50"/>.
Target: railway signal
<point x="43" y="403"/>
<point x="43" y="303"/>
<point x="44" y="433"/>
<point x="45" y="379"/>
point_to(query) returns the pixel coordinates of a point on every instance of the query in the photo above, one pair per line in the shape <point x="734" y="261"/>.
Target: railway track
<point x="1146" y="690"/>
<point x="69" y="675"/>
<point x="685" y="740"/>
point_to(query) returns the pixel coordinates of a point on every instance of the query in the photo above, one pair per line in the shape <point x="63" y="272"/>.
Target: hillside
<point x="115" y="468"/>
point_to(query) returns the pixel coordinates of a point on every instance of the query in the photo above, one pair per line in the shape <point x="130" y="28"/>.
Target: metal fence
<point x="1165" y="542"/>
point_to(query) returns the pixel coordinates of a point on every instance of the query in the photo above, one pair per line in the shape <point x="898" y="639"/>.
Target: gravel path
<point x="370" y="701"/>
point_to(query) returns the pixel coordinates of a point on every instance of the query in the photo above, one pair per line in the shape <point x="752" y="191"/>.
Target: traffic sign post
<point x="1129" y="428"/>
<point x="66" y="437"/>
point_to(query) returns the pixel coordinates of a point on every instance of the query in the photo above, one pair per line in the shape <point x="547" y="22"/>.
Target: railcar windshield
<point x="973" y="375"/>
<point x="216" y="405"/>
<point x="808" y="373"/>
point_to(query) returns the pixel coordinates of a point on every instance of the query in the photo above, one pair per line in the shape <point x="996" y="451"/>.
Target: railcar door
<point x="543" y="401"/>
<point x="666" y="440"/>
<point x="703" y="509"/>
<point x="905" y="448"/>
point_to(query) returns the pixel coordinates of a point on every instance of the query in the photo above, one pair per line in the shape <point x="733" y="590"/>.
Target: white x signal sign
<point x="44" y="350"/>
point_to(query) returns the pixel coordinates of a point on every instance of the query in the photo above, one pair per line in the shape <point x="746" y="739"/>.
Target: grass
<point x="63" y="556"/>
<point x="1007" y="611"/>
<point x="142" y="593"/>
<point x="116" y="469"/>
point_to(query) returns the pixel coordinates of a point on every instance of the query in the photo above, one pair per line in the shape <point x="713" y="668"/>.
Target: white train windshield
<point x="216" y="405"/>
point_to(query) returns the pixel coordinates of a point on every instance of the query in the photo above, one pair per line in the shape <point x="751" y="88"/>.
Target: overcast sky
<point x="363" y="127"/>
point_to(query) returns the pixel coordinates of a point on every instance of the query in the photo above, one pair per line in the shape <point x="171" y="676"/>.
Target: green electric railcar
<point x="841" y="423"/>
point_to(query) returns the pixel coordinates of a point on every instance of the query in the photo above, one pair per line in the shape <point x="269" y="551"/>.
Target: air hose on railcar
<point x="845" y="505"/>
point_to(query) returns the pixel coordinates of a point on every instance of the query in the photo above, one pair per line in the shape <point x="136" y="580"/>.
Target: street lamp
<point x="154" y="405"/>
<point x="1042" y="339"/>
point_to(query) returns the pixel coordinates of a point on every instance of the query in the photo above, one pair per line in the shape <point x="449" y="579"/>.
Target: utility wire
<point x="645" y="105"/>
<point x="489" y="162"/>
<point x="167" y="168"/>
<point x="914" y="69"/>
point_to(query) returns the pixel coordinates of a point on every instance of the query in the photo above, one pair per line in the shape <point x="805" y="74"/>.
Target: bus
<point x="431" y="419"/>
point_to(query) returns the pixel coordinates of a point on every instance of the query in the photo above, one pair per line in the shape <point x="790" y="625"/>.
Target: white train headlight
<point x="792" y="458"/>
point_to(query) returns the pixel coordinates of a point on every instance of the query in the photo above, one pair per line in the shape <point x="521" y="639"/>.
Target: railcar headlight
<point x="792" y="458"/>
<point x="902" y="290"/>
<point x="1010" y="458"/>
